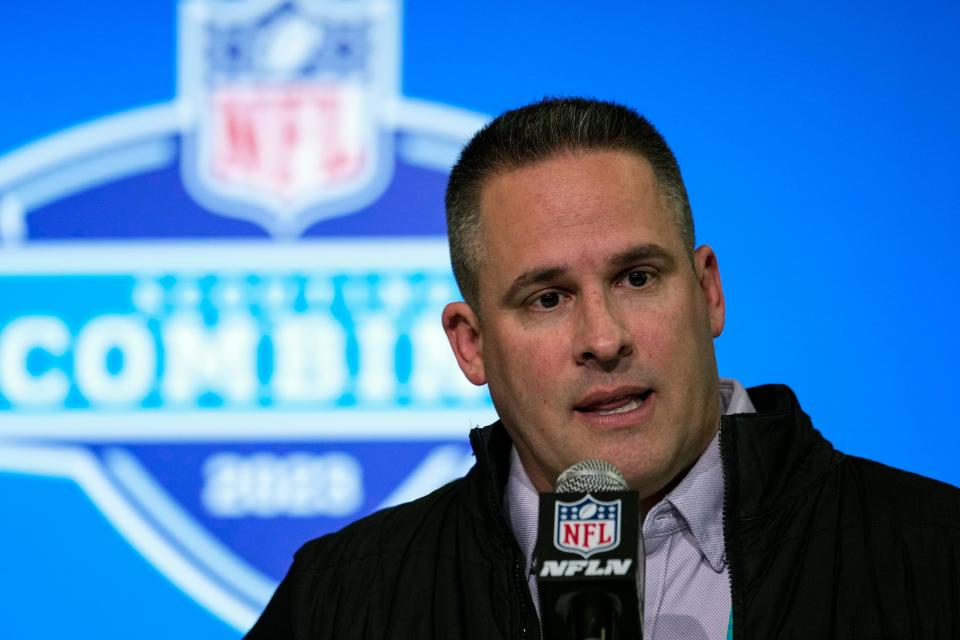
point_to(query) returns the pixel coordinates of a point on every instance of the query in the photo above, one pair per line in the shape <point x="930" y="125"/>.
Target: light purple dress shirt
<point x="686" y="587"/>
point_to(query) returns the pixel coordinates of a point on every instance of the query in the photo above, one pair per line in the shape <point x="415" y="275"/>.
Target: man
<point x="591" y="317"/>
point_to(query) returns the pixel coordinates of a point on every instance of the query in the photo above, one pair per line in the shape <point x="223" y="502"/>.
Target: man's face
<point x="595" y="331"/>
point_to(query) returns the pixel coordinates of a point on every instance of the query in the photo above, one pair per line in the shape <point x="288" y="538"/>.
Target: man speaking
<point x="590" y="314"/>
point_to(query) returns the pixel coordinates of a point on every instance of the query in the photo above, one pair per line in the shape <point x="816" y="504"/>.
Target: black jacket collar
<point x="772" y="456"/>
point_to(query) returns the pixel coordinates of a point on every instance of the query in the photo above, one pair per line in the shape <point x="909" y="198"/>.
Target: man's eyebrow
<point x="644" y="253"/>
<point x="534" y="276"/>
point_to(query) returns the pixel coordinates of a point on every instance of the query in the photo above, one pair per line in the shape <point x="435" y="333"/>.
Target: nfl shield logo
<point x="587" y="526"/>
<point x="288" y="102"/>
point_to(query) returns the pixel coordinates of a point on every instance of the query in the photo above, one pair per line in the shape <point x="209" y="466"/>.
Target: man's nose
<point x="602" y="333"/>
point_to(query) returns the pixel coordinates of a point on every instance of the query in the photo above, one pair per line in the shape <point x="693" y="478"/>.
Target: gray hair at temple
<point x="539" y="131"/>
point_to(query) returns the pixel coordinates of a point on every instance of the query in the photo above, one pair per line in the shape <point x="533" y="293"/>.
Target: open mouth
<point x="614" y="405"/>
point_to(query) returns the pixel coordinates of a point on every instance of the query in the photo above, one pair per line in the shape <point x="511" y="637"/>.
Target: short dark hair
<point x="538" y="131"/>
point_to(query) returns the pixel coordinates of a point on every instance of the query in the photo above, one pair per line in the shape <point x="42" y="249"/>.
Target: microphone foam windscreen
<point x="589" y="476"/>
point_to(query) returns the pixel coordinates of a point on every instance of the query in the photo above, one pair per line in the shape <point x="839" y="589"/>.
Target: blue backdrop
<point x="820" y="148"/>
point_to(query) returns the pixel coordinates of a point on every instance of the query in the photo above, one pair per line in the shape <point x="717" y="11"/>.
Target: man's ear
<point x="463" y="331"/>
<point x="708" y="273"/>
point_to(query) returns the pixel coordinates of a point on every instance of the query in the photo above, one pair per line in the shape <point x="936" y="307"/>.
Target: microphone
<point x="587" y="555"/>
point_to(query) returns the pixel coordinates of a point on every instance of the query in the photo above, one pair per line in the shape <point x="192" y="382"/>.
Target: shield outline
<point x="577" y="503"/>
<point x="285" y="219"/>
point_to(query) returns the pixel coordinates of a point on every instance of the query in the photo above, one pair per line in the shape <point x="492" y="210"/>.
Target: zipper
<point x="519" y="583"/>
<point x="521" y="587"/>
<point x="518" y="579"/>
<point x="729" y="555"/>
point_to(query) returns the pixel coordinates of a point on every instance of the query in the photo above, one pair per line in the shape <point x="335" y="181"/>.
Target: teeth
<point x="630" y="406"/>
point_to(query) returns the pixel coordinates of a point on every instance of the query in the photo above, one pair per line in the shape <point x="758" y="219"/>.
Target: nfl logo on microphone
<point x="587" y="526"/>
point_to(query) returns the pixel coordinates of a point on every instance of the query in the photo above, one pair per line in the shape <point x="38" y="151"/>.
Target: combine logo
<point x="221" y="314"/>
<point x="587" y="526"/>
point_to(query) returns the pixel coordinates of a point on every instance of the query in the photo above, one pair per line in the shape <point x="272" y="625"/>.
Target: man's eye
<point x="637" y="278"/>
<point x="547" y="300"/>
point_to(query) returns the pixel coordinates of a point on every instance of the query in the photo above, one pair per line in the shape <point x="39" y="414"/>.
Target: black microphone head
<point x="589" y="476"/>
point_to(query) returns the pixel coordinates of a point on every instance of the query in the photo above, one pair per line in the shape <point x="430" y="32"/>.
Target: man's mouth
<point x="613" y="403"/>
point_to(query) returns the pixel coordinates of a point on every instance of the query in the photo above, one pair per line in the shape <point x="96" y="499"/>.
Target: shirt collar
<point x="522" y="505"/>
<point x="734" y="398"/>
<point x="697" y="501"/>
